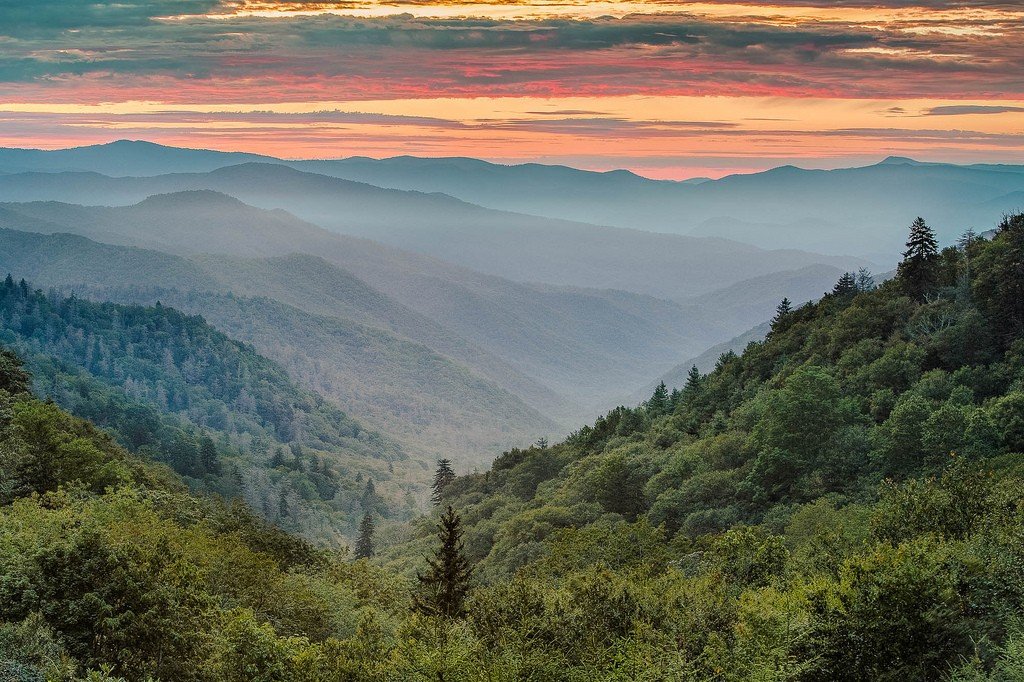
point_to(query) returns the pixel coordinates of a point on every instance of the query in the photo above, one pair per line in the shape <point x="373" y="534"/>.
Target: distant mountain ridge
<point x="515" y="246"/>
<point x="372" y="373"/>
<point x="858" y="211"/>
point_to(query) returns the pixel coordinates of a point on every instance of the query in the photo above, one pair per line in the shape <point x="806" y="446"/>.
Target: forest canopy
<point x="842" y="501"/>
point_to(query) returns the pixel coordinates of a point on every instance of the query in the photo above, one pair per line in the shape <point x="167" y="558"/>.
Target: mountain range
<point x="452" y="327"/>
<point x="842" y="211"/>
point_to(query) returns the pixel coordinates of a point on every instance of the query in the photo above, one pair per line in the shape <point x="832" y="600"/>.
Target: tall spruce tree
<point x="209" y="461"/>
<point x="442" y="479"/>
<point x="282" y="504"/>
<point x="782" y="312"/>
<point x="371" y="500"/>
<point x="442" y="591"/>
<point x="917" y="271"/>
<point x="13" y="378"/>
<point x="693" y="380"/>
<point x="659" y="402"/>
<point x="846" y="286"/>
<point x="364" y="543"/>
<point x="865" y="280"/>
<point x="966" y="243"/>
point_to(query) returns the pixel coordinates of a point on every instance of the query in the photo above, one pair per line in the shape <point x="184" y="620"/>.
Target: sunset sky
<point x="668" y="89"/>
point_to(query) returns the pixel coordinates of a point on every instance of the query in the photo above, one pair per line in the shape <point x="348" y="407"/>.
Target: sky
<point x="668" y="89"/>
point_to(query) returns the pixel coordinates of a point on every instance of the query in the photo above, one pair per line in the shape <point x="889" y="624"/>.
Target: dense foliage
<point x="174" y="389"/>
<point x="841" y="501"/>
<point x="844" y="501"/>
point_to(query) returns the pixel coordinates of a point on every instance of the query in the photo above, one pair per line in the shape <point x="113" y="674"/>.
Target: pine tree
<point x="865" y="280"/>
<point x="442" y="479"/>
<point x="442" y="591"/>
<point x="282" y="505"/>
<point x="918" y="269"/>
<point x="846" y="286"/>
<point x="542" y="443"/>
<point x="693" y="381"/>
<point x="966" y="243"/>
<point x="364" y="544"/>
<point x="371" y="501"/>
<point x="278" y="459"/>
<point x="209" y="462"/>
<point x="782" y="312"/>
<point x="674" y="398"/>
<point x="658" y="403"/>
<point x="784" y="308"/>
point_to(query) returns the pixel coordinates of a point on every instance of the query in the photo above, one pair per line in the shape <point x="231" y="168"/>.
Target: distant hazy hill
<point x="124" y="157"/>
<point x="174" y="389"/>
<point x="385" y="379"/>
<point x="515" y="246"/>
<point x="852" y="210"/>
<point x="573" y="342"/>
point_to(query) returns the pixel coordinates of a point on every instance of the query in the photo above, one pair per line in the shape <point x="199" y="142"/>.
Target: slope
<point x="521" y="247"/>
<point x="174" y="389"/>
<point x="376" y="375"/>
<point x="554" y="340"/>
<point x="849" y="210"/>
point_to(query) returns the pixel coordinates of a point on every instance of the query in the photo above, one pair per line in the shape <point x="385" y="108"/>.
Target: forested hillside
<point x="840" y="502"/>
<point x="174" y="389"/>
<point x="112" y="571"/>
<point x="843" y="501"/>
<point x="353" y="343"/>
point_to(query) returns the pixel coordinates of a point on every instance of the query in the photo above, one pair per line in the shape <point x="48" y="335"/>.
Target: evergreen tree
<point x="364" y="544"/>
<point x="282" y="504"/>
<point x="865" y="280"/>
<point x="278" y="459"/>
<point x="673" y="399"/>
<point x="917" y="271"/>
<point x="371" y="501"/>
<point x="542" y="443"/>
<point x="13" y="378"/>
<point x="846" y="286"/>
<point x="693" y="380"/>
<point x="443" y="590"/>
<point x="782" y="312"/>
<point x="209" y="462"/>
<point x="784" y="308"/>
<point x="442" y="479"/>
<point x="658" y="403"/>
<point x="966" y="244"/>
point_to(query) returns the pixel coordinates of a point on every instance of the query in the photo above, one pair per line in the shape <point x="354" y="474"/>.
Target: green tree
<point x="364" y="543"/>
<point x="13" y="378"/>
<point x="998" y="283"/>
<point x="693" y="381"/>
<point x="371" y="501"/>
<point x="282" y="504"/>
<point x="443" y="589"/>
<point x="846" y="286"/>
<point x="209" y="460"/>
<point x="917" y="271"/>
<point x="659" y="402"/>
<point x="443" y="477"/>
<point x="865" y="280"/>
<point x="782" y="313"/>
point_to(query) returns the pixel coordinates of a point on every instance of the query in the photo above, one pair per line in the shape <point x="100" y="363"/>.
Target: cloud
<point x="963" y="110"/>
<point x="83" y="50"/>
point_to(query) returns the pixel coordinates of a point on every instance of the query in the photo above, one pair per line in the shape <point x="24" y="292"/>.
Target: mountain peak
<point x="899" y="161"/>
<point x="194" y="198"/>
